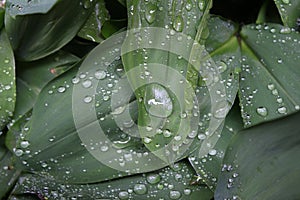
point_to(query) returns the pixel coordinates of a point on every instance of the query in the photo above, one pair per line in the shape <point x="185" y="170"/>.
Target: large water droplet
<point x="123" y="195"/>
<point x="221" y="110"/>
<point x="61" y="89"/>
<point x="24" y="144"/>
<point x="282" y="110"/>
<point x="189" y="5"/>
<point x="100" y="74"/>
<point x="178" y="23"/>
<point x="140" y="189"/>
<point x="87" y="83"/>
<point x="262" y="111"/>
<point x="150" y="13"/>
<point x="201" y="5"/>
<point x="158" y="102"/>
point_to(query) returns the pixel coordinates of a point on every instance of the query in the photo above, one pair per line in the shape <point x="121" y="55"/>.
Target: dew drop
<point x="104" y="148"/>
<point x="150" y="13"/>
<point x="87" y="4"/>
<point x="87" y="83"/>
<point x="100" y="74"/>
<point x="271" y="87"/>
<point x="262" y="111"/>
<point x="187" y="191"/>
<point x="174" y="194"/>
<point x="221" y="110"/>
<point x="282" y="110"/>
<point x="158" y="102"/>
<point x="140" y="189"/>
<point x="19" y="152"/>
<point x="285" y="1"/>
<point x="189" y="5"/>
<point x="75" y="80"/>
<point x="123" y="195"/>
<point x="153" y="178"/>
<point x="61" y="89"/>
<point x="222" y="66"/>
<point x="178" y="23"/>
<point x="201" y="5"/>
<point x="88" y="99"/>
<point x="24" y="144"/>
<point x="167" y="133"/>
<point x="212" y="152"/>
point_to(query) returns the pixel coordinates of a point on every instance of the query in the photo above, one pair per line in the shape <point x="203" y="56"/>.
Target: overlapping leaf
<point x="289" y="11"/>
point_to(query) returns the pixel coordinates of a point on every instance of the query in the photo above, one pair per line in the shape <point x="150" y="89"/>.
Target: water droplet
<point x="187" y="191"/>
<point x="271" y="86"/>
<point x="140" y="189"/>
<point x="189" y="5"/>
<point x="24" y="144"/>
<point x="285" y="30"/>
<point x="123" y="195"/>
<point x="100" y="74"/>
<point x="87" y="4"/>
<point x="297" y="107"/>
<point x="87" y="83"/>
<point x="88" y="99"/>
<point x="285" y="1"/>
<point x="150" y="13"/>
<point x="61" y="89"/>
<point x="279" y="61"/>
<point x="75" y="80"/>
<point x="104" y="148"/>
<point x="221" y="110"/>
<point x="167" y="133"/>
<point x="201" y="136"/>
<point x="212" y="152"/>
<point x="19" y="152"/>
<point x="158" y="102"/>
<point x="222" y="66"/>
<point x="153" y="178"/>
<point x="201" y="5"/>
<point x="178" y="23"/>
<point x="147" y="140"/>
<point x="262" y="111"/>
<point x="174" y="194"/>
<point x="6" y="61"/>
<point x="282" y="110"/>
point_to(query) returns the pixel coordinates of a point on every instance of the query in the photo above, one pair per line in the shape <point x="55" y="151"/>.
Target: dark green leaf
<point x="269" y="86"/>
<point x="7" y="80"/>
<point x="2" y="13"/>
<point x="21" y="7"/>
<point x="289" y="11"/>
<point x="263" y="162"/>
<point x="44" y="71"/>
<point x="38" y="35"/>
<point x="163" y="184"/>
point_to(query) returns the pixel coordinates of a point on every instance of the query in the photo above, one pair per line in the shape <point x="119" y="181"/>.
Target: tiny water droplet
<point x="123" y="195"/>
<point x="201" y="5"/>
<point x="6" y="61"/>
<point x="187" y="191"/>
<point x="285" y="1"/>
<point x="189" y="5"/>
<point x="24" y="144"/>
<point x="271" y="86"/>
<point x="262" y="111"/>
<point x="88" y="99"/>
<point x="178" y="23"/>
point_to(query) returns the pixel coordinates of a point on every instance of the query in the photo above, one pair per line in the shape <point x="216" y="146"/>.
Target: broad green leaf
<point x="33" y="76"/>
<point x="7" y="80"/>
<point x="8" y="173"/>
<point x="63" y="137"/>
<point x="262" y="162"/>
<point x="289" y="11"/>
<point x="38" y="35"/>
<point x="269" y="86"/>
<point x="208" y="167"/>
<point x="24" y="197"/>
<point x="91" y="30"/>
<point x="21" y="7"/>
<point x="156" y="52"/>
<point x="166" y="183"/>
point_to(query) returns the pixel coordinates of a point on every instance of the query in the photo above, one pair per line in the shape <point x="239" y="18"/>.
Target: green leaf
<point x="289" y="11"/>
<point x="166" y="183"/>
<point x="7" y="80"/>
<point x="44" y="71"/>
<point x="208" y="167"/>
<point x="155" y="55"/>
<point x="262" y="162"/>
<point x="91" y="30"/>
<point x="62" y="23"/>
<point x="20" y="7"/>
<point x="269" y="86"/>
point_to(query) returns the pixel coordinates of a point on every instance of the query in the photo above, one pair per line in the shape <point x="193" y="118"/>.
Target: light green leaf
<point x="289" y="11"/>
<point x="269" y="86"/>
<point x="166" y="184"/>
<point x="7" y="80"/>
<point x="262" y="162"/>
<point x="91" y="30"/>
<point x="44" y="71"/>
<point x="62" y="23"/>
<point x="155" y="55"/>
<point x="21" y="7"/>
